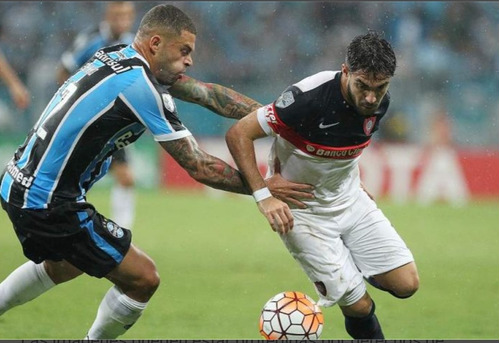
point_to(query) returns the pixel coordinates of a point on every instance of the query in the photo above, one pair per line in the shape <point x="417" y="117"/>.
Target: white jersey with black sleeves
<point x="319" y="138"/>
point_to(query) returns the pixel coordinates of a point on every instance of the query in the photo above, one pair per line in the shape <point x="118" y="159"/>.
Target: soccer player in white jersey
<point x="321" y="126"/>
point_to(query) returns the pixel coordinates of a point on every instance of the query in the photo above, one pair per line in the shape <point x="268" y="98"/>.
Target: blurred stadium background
<point x="445" y="92"/>
<point x="434" y="163"/>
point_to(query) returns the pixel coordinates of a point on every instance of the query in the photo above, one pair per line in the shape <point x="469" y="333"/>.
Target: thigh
<point x="74" y="232"/>
<point x="316" y="245"/>
<point x="101" y="245"/>
<point x="40" y="232"/>
<point x="374" y="244"/>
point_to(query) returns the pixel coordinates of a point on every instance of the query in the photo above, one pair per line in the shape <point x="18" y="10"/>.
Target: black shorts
<point x="75" y="232"/>
<point x="119" y="156"/>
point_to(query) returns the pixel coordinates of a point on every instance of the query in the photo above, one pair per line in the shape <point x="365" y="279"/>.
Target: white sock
<point x="116" y="314"/>
<point x="24" y="284"/>
<point x="123" y="205"/>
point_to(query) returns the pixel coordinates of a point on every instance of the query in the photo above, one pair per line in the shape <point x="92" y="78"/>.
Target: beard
<point x="360" y="109"/>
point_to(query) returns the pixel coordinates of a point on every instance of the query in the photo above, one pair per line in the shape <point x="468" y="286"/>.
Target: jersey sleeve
<point x="287" y="112"/>
<point x="154" y="107"/>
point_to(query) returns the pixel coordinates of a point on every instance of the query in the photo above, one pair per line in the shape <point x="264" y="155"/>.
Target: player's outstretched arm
<point x="205" y="168"/>
<point x="240" y="141"/>
<point x="219" y="99"/>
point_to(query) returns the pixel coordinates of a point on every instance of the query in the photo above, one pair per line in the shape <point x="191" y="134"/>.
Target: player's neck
<point x="142" y="50"/>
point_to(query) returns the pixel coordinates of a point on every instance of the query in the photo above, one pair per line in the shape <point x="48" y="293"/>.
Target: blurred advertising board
<point x="398" y="172"/>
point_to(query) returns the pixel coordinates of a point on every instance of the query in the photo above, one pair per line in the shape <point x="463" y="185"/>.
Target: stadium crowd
<point x="447" y="56"/>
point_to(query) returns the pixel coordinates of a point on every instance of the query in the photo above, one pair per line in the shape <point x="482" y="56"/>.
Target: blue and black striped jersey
<point x="106" y="105"/>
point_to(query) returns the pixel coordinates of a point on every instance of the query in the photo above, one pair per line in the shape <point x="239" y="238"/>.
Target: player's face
<point x="173" y="57"/>
<point x="120" y="17"/>
<point x="365" y="91"/>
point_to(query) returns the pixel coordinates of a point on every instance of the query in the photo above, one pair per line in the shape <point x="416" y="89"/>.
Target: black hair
<point x="370" y="53"/>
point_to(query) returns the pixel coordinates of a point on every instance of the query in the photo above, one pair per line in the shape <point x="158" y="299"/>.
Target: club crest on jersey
<point x="368" y="125"/>
<point x="285" y="99"/>
<point x="114" y="229"/>
<point x="169" y="102"/>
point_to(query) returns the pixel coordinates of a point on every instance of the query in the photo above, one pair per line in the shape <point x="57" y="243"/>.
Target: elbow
<point x="232" y="135"/>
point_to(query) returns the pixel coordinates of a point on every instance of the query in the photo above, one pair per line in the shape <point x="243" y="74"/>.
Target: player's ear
<point x="154" y="43"/>
<point x="345" y="69"/>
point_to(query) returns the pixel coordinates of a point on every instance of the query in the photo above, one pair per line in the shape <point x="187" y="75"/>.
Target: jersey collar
<point x="131" y="52"/>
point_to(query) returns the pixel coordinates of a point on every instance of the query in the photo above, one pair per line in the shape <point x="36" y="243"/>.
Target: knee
<point x="149" y="283"/>
<point x="144" y="284"/>
<point x="407" y="287"/>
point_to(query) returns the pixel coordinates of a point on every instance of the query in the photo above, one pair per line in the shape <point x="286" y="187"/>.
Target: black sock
<point x="365" y="327"/>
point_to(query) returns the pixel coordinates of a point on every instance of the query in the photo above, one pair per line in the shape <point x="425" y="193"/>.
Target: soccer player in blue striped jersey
<point x="115" y="28"/>
<point x="120" y="93"/>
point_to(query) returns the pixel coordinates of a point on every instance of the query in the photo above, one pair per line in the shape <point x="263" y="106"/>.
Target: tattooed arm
<point x="219" y="99"/>
<point x="205" y="168"/>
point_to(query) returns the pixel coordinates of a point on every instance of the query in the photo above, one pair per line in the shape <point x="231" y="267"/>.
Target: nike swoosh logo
<point x="323" y="126"/>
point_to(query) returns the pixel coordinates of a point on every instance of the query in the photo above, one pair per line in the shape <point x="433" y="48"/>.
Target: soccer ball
<point x="291" y="315"/>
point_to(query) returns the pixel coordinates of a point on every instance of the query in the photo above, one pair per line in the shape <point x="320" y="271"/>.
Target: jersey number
<point x="122" y="141"/>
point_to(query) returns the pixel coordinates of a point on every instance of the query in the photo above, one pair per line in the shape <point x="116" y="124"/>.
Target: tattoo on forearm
<point x="222" y="100"/>
<point x="205" y="168"/>
<point x="233" y="104"/>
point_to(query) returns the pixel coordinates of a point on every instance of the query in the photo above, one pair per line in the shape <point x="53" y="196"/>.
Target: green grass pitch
<point x="220" y="262"/>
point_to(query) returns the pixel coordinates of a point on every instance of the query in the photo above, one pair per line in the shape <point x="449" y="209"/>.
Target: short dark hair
<point x="166" y="17"/>
<point x="372" y="54"/>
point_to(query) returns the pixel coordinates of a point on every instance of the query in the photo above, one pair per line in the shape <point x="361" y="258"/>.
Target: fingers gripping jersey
<point x="106" y="105"/>
<point x="319" y="137"/>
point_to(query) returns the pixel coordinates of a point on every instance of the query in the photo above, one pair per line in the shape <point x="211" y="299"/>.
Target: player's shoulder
<point x="316" y="80"/>
<point x="122" y="54"/>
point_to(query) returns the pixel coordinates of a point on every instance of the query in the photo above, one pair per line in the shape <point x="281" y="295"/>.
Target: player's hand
<point x="277" y="213"/>
<point x="288" y="191"/>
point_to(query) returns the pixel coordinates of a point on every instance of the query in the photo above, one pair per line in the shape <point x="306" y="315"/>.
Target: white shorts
<point x="340" y="247"/>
